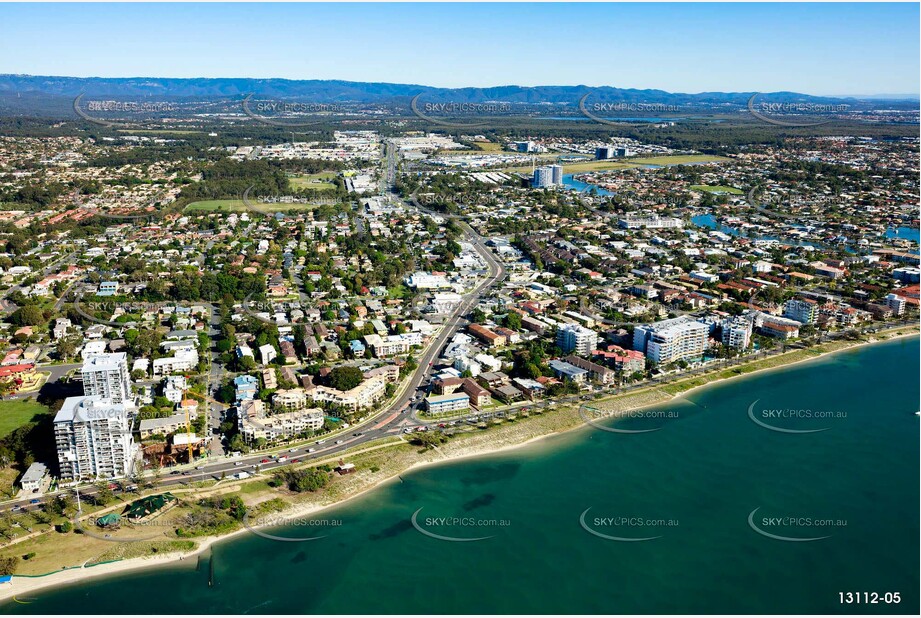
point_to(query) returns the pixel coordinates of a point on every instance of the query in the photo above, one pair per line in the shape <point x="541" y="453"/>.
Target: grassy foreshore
<point x="376" y="463"/>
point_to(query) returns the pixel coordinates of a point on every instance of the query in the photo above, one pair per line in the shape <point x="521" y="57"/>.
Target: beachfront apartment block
<point x="671" y="340"/>
<point x="896" y="303"/>
<point x="570" y="373"/>
<point x="776" y="326"/>
<point x="362" y="396"/>
<point x="802" y="310"/>
<point x="93" y="438"/>
<point x="596" y="372"/>
<point x="736" y="332"/>
<point x="107" y="375"/>
<point x="254" y="422"/>
<point x="575" y="338"/>
<point x="440" y="404"/>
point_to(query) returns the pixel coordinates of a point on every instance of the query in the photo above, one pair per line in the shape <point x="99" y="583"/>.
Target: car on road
<point x="199" y="467"/>
<point x="292" y="450"/>
<point x="311" y="450"/>
<point x="238" y="463"/>
<point x="176" y="472"/>
<point x="295" y="461"/>
<point x="34" y="501"/>
<point x="16" y="508"/>
<point x="321" y="441"/>
<point x="357" y="434"/>
<point x="338" y="441"/>
<point x="265" y="461"/>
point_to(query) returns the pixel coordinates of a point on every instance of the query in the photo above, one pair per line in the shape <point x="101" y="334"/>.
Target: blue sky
<point x="813" y="48"/>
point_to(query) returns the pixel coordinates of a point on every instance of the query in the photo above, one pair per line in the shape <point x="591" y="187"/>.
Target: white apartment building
<point x="392" y="344"/>
<point x="289" y="400"/>
<point x="254" y="423"/>
<point x="803" y="311"/>
<point x="737" y="333"/>
<point x="364" y="395"/>
<point x="422" y="280"/>
<point x="575" y="338"/>
<point x="455" y="402"/>
<point x="107" y="375"/>
<point x="671" y="340"/>
<point x="896" y="303"/>
<point x="93" y="439"/>
<point x="174" y="388"/>
<point x="184" y="360"/>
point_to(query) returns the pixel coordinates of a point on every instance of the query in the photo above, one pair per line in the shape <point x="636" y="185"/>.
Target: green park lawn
<point x="14" y="414"/>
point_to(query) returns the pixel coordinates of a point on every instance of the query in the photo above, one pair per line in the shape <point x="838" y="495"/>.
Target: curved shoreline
<point x="23" y="584"/>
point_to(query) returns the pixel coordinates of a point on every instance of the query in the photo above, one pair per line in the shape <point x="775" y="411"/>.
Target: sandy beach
<point x="21" y="587"/>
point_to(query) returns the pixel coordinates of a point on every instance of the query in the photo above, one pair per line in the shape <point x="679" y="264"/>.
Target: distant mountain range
<point x="335" y="91"/>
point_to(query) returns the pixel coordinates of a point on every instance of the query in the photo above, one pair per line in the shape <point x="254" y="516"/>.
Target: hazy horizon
<point x="817" y="49"/>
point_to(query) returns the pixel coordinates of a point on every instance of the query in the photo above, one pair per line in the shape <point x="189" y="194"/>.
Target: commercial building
<point x="576" y="338"/>
<point x="427" y="281"/>
<point x="106" y="375"/>
<point x="93" y="438"/>
<point x="610" y="152"/>
<point x="671" y="340"/>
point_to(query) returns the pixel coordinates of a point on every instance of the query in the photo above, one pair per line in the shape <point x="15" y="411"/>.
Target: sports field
<point x="14" y="414"/>
<point x="318" y="182"/>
